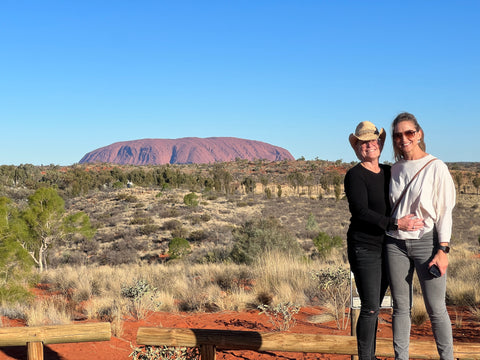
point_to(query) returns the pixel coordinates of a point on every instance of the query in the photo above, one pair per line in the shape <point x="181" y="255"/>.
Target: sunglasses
<point x="409" y="134"/>
<point x="365" y="142"/>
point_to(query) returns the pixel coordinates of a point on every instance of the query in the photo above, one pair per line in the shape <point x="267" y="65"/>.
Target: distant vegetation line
<point x="303" y="176"/>
<point x="228" y="177"/>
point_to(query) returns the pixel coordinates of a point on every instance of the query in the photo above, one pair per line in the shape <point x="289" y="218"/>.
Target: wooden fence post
<point x="208" y="352"/>
<point x="35" y="350"/>
<point x="354" y="313"/>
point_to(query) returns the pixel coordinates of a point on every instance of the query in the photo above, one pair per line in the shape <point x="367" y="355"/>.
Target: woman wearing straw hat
<point x="422" y="184"/>
<point x="367" y="190"/>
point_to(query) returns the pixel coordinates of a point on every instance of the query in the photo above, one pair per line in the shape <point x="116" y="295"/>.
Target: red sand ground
<point x="120" y="348"/>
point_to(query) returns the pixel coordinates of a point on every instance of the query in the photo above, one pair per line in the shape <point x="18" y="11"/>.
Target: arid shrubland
<point x="117" y="293"/>
<point x="247" y="251"/>
<point x="273" y="278"/>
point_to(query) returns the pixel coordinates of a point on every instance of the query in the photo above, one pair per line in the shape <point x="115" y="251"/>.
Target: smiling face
<point x="369" y="150"/>
<point x="406" y="138"/>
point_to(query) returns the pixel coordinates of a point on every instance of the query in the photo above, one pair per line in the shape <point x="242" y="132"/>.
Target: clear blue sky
<point x="79" y="75"/>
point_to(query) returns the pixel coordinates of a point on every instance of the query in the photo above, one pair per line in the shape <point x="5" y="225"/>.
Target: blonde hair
<point x="405" y="116"/>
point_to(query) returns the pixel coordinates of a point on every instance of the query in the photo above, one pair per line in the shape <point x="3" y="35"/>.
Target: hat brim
<point x="353" y="138"/>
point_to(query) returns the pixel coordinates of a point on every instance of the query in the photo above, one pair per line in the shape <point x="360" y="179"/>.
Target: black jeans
<point x="371" y="278"/>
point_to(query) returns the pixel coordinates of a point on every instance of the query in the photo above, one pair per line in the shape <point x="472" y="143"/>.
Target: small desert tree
<point x="476" y="182"/>
<point x="15" y="264"/>
<point x="221" y="176"/>
<point x="458" y="177"/>
<point x="43" y="222"/>
<point x="249" y="185"/>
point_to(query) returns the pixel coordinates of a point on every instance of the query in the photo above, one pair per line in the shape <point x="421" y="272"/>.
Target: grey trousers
<point x="403" y="257"/>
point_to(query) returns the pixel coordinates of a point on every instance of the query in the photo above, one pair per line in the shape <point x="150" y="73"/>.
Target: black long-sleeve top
<point x="368" y="200"/>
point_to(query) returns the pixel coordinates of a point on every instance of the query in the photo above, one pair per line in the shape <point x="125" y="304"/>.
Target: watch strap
<point x="445" y="249"/>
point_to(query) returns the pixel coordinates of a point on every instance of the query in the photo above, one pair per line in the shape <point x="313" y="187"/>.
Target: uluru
<point x="188" y="150"/>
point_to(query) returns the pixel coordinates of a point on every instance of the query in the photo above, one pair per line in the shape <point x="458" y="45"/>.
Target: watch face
<point x="445" y="249"/>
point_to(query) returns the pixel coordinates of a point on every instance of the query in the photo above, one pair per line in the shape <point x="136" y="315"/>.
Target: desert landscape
<point x="181" y="164"/>
<point x="222" y="246"/>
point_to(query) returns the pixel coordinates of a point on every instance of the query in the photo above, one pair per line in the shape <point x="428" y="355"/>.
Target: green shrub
<point x="137" y="290"/>
<point x="178" y="247"/>
<point x="191" y="199"/>
<point x="335" y="292"/>
<point x="325" y="243"/>
<point x="338" y="192"/>
<point x="256" y="237"/>
<point x="312" y="224"/>
<point x="268" y="193"/>
<point x="14" y="293"/>
<point x="118" y="185"/>
<point x="143" y="298"/>
<point x="281" y="315"/>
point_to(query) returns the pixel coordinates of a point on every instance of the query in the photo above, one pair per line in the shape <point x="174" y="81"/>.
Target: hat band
<point x="367" y="132"/>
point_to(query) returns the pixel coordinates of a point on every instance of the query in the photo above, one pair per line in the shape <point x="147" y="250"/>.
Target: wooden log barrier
<point x="36" y="336"/>
<point x="288" y="342"/>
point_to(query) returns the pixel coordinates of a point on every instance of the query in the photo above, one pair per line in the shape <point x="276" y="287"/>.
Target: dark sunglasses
<point x="409" y="134"/>
<point x="364" y="142"/>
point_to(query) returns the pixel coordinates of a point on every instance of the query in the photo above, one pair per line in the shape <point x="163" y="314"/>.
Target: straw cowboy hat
<point x="366" y="131"/>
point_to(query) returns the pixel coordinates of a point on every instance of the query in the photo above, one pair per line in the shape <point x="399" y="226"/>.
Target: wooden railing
<point x="208" y="340"/>
<point x="36" y="336"/>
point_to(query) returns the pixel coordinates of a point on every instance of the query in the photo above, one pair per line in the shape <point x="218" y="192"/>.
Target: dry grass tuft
<point x="286" y="277"/>
<point x="49" y="311"/>
<point x="475" y="311"/>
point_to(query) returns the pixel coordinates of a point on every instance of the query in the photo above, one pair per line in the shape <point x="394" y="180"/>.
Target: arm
<point x="356" y="190"/>
<point x="444" y="204"/>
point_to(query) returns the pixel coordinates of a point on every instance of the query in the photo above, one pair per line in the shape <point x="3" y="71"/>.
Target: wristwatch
<point x="395" y="224"/>
<point x="445" y="249"/>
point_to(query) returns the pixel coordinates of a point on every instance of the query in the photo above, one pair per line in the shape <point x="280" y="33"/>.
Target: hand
<point x="441" y="260"/>
<point x="410" y="223"/>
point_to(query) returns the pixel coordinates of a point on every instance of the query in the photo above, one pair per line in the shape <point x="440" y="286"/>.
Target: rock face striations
<point x="185" y="151"/>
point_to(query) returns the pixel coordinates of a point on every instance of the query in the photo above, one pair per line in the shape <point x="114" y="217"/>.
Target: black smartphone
<point x="434" y="271"/>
